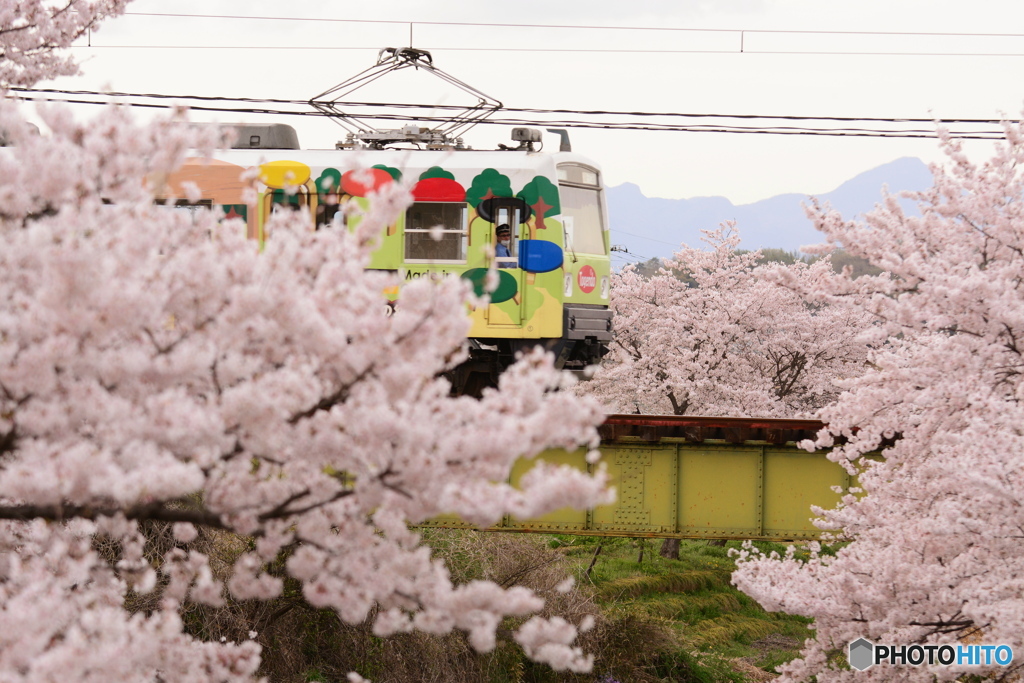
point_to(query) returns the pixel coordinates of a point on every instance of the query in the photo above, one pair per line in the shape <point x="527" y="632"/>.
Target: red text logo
<point x="587" y="279"/>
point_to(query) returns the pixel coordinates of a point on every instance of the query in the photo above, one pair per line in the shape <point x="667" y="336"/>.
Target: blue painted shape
<point x="540" y="256"/>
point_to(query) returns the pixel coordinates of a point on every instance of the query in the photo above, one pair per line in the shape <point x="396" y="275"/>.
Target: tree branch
<point x="153" y="511"/>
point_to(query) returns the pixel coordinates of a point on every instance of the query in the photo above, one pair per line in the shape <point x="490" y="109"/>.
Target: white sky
<point x="743" y="168"/>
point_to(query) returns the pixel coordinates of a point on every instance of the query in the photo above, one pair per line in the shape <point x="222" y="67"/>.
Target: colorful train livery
<point x="552" y="262"/>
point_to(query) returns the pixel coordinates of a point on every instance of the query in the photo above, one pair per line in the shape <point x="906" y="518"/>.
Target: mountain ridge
<point x="653" y="227"/>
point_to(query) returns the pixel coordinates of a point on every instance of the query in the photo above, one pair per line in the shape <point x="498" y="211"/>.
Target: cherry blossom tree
<point x="156" y="368"/>
<point x="32" y="32"/>
<point x="715" y="333"/>
<point x="932" y="552"/>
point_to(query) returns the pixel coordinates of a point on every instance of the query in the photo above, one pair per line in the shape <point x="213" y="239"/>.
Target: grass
<point x="728" y="635"/>
<point x="656" y="620"/>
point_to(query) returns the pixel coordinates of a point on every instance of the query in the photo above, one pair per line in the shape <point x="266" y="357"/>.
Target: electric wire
<point x="616" y="254"/>
<point x="847" y="131"/>
<point x="741" y="46"/>
<point x="563" y="50"/>
<point x="635" y="255"/>
<point x="525" y="110"/>
<point x="631" y="234"/>
<point x="581" y="26"/>
<point x="859" y="133"/>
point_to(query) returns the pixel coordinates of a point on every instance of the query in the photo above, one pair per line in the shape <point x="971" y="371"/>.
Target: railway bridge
<point x="697" y="477"/>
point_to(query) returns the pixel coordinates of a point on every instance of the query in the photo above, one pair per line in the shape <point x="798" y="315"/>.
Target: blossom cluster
<point x="931" y="553"/>
<point x="717" y="332"/>
<point x="158" y="370"/>
<point x="32" y="32"/>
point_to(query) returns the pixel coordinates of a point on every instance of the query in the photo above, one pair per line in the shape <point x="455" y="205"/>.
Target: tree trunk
<point x="593" y="561"/>
<point x="670" y="549"/>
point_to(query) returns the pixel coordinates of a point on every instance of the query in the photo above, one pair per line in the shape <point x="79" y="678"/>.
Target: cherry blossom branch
<point x="282" y="511"/>
<point x="156" y="512"/>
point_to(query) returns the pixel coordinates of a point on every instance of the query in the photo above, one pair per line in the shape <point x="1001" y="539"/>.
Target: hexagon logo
<point x="861" y="654"/>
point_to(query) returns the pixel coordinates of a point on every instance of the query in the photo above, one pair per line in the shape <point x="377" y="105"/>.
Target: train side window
<point x="328" y="208"/>
<point x="184" y="205"/>
<point x="436" y="231"/>
<point x="579" y="193"/>
<point x="281" y="200"/>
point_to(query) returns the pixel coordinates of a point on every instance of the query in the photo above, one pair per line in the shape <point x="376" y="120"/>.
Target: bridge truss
<point x="697" y="477"/>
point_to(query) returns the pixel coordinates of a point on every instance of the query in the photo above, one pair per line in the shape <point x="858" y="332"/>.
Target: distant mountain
<point x="653" y="227"/>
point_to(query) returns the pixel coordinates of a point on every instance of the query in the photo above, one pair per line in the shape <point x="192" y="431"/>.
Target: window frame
<point x="339" y="209"/>
<point x="185" y="205"/>
<point x="562" y="175"/>
<point x="463" y="231"/>
<point x="516" y="227"/>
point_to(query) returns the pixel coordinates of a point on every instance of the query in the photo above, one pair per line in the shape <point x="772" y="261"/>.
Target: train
<point x="553" y="271"/>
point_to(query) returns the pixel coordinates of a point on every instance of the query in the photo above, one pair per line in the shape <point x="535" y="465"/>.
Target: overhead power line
<point x="650" y="239"/>
<point x="524" y="110"/>
<point x="587" y="27"/>
<point x="741" y="46"/>
<point x="446" y="48"/>
<point x="762" y="124"/>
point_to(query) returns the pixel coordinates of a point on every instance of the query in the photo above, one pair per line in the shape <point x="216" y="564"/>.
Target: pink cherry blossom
<point x="934" y="547"/>
<point x="156" y="365"/>
<point x="32" y="32"/>
<point x="715" y="333"/>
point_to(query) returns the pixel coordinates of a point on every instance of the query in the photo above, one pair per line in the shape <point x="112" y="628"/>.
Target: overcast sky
<point x="597" y="68"/>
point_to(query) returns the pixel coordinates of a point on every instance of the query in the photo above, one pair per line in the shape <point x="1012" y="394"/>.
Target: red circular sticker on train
<point x="587" y="279"/>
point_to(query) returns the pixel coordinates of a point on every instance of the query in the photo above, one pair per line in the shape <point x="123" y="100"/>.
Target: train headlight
<point x="568" y="284"/>
<point x="604" y="287"/>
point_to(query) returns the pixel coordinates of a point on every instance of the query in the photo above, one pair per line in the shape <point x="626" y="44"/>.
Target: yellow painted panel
<point x="565" y="519"/>
<point x="689" y="490"/>
<point x="660" y="488"/>
<point x="644" y="479"/>
<point x="718" y="489"/>
<point x="793" y="481"/>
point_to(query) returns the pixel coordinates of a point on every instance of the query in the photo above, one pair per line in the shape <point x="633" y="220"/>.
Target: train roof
<point x="402" y="158"/>
<point x="256" y="145"/>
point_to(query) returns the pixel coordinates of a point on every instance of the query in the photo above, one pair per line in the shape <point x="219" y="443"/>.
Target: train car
<point x="553" y="267"/>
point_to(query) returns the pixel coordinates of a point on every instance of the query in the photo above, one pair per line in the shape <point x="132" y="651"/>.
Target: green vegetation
<point x="656" y="620"/>
<point x="724" y="634"/>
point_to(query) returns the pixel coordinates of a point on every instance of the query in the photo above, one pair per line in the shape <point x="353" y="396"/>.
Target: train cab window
<point x="508" y="215"/>
<point x="579" y="193"/>
<point x="436" y="231"/>
<point x="508" y="221"/>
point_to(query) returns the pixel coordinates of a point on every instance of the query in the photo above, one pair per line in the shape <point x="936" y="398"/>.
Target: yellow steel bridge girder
<point x="675" y="488"/>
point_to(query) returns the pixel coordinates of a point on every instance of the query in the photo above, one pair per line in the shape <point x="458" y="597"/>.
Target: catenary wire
<point x="581" y="26"/>
<point x="623" y="232"/>
<point x="748" y="51"/>
<point x="631" y="254"/>
<point x="859" y="133"/>
<point x="524" y="110"/>
<point x="30" y="95"/>
<point x="741" y="48"/>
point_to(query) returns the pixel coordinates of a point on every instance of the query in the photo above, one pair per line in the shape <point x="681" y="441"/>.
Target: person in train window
<point x="503" y="249"/>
